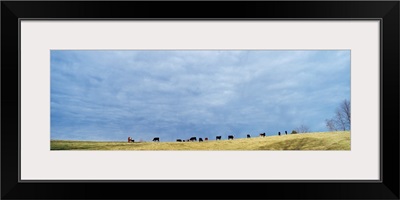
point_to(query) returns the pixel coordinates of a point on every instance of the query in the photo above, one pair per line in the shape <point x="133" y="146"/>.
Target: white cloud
<point x="113" y="93"/>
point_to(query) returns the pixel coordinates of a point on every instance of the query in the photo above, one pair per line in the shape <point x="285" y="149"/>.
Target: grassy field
<point x="307" y="141"/>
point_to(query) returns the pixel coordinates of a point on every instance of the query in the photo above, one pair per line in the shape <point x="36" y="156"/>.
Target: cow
<point x="248" y="135"/>
<point x="193" y="139"/>
<point x="179" y="140"/>
<point x="156" y="139"/>
<point x="286" y="132"/>
<point x="279" y="133"/>
<point x="218" y="138"/>
<point x="200" y="139"/>
<point x="206" y="139"/>
<point x="262" y="134"/>
<point x="230" y="137"/>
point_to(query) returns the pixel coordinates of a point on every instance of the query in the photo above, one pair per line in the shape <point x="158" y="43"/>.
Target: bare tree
<point x="346" y="110"/>
<point x="330" y="124"/>
<point x="302" y="129"/>
<point x="341" y="120"/>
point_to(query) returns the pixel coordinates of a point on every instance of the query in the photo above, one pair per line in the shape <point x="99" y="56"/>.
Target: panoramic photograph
<point x="209" y="100"/>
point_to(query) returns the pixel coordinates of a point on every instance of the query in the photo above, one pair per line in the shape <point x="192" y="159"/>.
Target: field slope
<point x="307" y="141"/>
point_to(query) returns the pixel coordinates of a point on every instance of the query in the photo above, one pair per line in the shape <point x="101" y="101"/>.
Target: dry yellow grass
<point x="307" y="141"/>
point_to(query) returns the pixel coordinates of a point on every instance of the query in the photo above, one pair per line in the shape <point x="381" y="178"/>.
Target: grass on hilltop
<point x="339" y="140"/>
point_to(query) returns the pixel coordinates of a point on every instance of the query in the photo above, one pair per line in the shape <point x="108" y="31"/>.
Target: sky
<point x="110" y="95"/>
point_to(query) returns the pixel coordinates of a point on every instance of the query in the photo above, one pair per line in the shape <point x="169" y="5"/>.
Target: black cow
<point x="218" y="138"/>
<point x="286" y="132"/>
<point x="179" y="140"/>
<point x="230" y="137"/>
<point x="279" y="133"/>
<point x="156" y="139"/>
<point x="193" y="139"/>
<point x="248" y="135"/>
<point x="262" y="134"/>
<point x="200" y="139"/>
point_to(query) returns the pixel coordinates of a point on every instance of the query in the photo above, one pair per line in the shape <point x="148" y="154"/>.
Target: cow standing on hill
<point x="248" y="135"/>
<point x="262" y="134"/>
<point x="230" y="137"/>
<point x="206" y="139"/>
<point x="179" y="140"/>
<point x="156" y="139"/>
<point x="200" y="139"/>
<point x="218" y="138"/>
<point x="286" y="132"/>
<point x="279" y="133"/>
<point x="193" y="139"/>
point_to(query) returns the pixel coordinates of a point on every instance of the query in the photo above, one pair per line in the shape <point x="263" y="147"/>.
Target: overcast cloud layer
<point x="110" y="95"/>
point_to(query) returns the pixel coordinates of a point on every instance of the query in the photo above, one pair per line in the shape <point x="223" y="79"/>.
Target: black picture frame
<point x="386" y="11"/>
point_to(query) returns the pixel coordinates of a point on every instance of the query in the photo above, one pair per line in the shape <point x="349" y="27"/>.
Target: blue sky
<point x="110" y="95"/>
